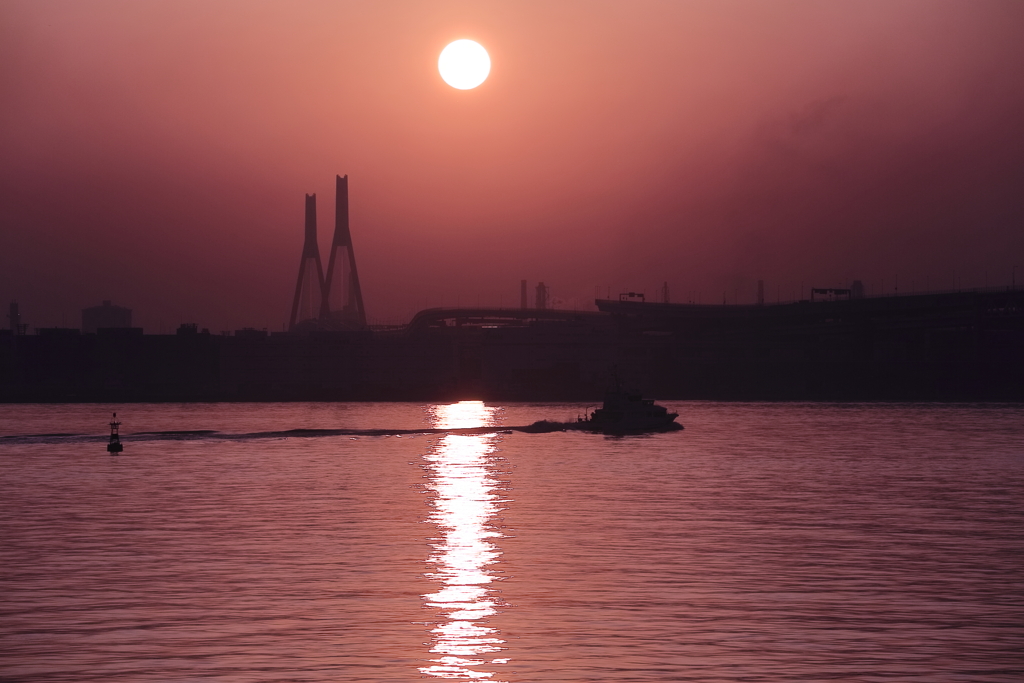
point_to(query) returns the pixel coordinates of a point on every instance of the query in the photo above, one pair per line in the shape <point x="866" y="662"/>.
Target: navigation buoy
<point x="114" y="447"/>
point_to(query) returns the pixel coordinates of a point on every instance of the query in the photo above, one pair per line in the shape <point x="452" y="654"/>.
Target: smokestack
<point x="522" y="295"/>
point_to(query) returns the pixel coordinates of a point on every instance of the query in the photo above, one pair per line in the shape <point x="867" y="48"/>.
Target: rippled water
<point x="766" y="542"/>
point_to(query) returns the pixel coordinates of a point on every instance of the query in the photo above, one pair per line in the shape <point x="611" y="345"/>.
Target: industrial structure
<point x="14" y="316"/>
<point x="542" y="296"/>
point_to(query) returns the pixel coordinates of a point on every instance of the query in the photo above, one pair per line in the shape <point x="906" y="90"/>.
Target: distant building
<point x="103" y="316"/>
<point x="542" y="296"/>
<point x="857" y="290"/>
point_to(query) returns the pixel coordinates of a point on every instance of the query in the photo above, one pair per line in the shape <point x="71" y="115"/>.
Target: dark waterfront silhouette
<point x="838" y="345"/>
<point x="944" y="346"/>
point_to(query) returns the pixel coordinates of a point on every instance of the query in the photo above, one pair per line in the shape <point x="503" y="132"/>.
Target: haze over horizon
<point x="157" y="154"/>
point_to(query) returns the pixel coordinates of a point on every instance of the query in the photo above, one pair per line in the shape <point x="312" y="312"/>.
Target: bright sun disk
<point x="464" y="64"/>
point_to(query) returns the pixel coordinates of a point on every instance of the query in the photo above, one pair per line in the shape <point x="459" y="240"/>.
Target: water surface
<point x="766" y="542"/>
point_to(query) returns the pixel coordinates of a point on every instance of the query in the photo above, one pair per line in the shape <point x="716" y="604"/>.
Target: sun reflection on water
<point x="466" y="501"/>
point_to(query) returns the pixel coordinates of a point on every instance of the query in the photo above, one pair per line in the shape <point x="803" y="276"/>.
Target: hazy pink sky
<point x="157" y="153"/>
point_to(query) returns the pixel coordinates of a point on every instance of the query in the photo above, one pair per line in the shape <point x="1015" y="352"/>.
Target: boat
<point x="114" y="446"/>
<point x="626" y="413"/>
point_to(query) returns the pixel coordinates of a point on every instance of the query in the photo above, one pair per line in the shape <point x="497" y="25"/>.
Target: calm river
<point x="766" y="542"/>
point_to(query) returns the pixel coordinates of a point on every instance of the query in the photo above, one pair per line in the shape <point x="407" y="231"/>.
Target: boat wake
<point x="539" y="427"/>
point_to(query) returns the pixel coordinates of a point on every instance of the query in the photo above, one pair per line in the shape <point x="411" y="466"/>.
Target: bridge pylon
<point x="308" y="301"/>
<point x="342" y="303"/>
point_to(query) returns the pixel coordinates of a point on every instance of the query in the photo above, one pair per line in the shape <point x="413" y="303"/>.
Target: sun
<point x="464" y="64"/>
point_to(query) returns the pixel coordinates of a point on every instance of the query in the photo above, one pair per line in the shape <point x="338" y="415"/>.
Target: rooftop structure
<point x="105" y="316"/>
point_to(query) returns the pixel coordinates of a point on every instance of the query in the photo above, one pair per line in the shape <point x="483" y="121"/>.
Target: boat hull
<point x="628" y="425"/>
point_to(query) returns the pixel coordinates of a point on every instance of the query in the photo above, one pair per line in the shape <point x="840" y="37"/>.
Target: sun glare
<point x="464" y="64"/>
